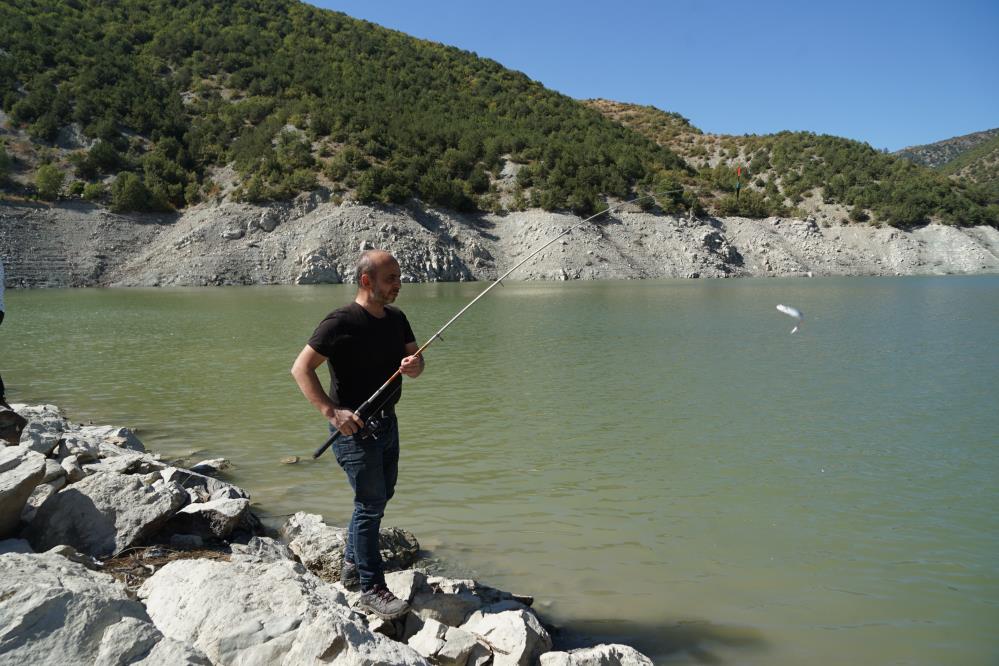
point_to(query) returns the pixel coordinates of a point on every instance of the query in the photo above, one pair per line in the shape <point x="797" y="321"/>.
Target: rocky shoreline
<point x="315" y="239"/>
<point x="110" y="554"/>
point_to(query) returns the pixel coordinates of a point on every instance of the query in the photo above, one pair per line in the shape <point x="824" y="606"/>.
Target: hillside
<point x="935" y="155"/>
<point x="788" y="172"/>
<point x="979" y="165"/>
<point x="158" y="105"/>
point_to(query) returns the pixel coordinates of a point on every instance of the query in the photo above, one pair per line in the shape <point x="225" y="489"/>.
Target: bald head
<point x="378" y="280"/>
<point x="370" y="262"/>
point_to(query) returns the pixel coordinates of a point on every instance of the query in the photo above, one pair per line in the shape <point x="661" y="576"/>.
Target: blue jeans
<point x="372" y="467"/>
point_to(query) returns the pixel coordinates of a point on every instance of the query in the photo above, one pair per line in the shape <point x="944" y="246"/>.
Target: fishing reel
<point x="371" y="427"/>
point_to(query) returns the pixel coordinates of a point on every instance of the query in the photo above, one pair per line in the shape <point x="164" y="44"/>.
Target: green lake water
<point x="659" y="463"/>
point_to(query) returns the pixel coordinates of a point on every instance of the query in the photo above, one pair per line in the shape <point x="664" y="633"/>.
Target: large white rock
<point x="21" y="469"/>
<point x="107" y="435"/>
<point x="205" y="485"/>
<point x="261" y="549"/>
<point x="103" y="514"/>
<point x="57" y="612"/>
<point x="217" y="518"/>
<point x="443" y="645"/>
<point x="459" y="646"/>
<point x="430" y="639"/>
<point x="45" y="426"/>
<point x="517" y="635"/>
<point x="71" y="466"/>
<point x="449" y="601"/>
<point x="252" y="613"/>
<point x="133" y="641"/>
<point x="128" y="462"/>
<point x="84" y="450"/>
<point x="320" y="546"/>
<point x="53" y="471"/>
<point x="601" y="655"/>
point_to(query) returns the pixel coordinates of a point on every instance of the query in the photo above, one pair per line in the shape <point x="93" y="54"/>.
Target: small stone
<point x="289" y="460"/>
<point x="212" y="467"/>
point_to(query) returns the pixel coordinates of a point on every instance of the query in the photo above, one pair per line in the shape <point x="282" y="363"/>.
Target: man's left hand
<point x="412" y="366"/>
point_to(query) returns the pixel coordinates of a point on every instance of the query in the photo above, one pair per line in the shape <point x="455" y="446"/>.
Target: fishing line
<point x="437" y="336"/>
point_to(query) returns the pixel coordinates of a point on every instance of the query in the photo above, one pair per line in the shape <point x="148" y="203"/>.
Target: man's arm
<point x="412" y="366"/>
<point x="304" y="372"/>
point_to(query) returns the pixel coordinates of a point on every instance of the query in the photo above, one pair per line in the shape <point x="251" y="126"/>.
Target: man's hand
<point x="412" y="366"/>
<point x="344" y="420"/>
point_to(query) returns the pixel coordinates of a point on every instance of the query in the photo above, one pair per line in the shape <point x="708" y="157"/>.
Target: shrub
<point x="129" y="193"/>
<point x="49" y="180"/>
<point x="94" y="191"/>
<point x="6" y="164"/>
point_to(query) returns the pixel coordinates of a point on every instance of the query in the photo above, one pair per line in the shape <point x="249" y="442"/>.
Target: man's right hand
<point x="346" y="421"/>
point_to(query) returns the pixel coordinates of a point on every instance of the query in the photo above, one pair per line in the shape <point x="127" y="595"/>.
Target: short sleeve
<point x="407" y="329"/>
<point x="324" y="335"/>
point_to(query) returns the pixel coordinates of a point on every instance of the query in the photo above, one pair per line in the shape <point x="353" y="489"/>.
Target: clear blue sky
<point x="890" y="73"/>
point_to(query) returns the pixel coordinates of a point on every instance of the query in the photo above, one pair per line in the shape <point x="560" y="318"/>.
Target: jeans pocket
<point x="348" y="452"/>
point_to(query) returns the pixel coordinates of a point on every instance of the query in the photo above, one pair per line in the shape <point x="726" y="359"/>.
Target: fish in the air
<point x="792" y="312"/>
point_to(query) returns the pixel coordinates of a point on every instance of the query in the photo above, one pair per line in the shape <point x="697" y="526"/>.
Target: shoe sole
<point x="384" y="616"/>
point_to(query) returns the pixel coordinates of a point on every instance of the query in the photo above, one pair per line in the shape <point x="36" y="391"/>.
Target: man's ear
<point x="366" y="280"/>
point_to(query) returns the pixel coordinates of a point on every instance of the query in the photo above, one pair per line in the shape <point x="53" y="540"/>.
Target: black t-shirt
<point x="363" y="352"/>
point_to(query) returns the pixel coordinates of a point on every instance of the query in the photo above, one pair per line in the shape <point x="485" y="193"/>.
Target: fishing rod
<point x="437" y="336"/>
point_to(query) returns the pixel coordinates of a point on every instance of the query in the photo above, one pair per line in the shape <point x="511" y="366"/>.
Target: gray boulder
<point x="39" y="496"/>
<point x="212" y="467"/>
<point x="59" y="612"/>
<point x="320" y="546"/>
<point x="45" y="426"/>
<point x="104" y="514"/>
<point x="20" y="471"/>
<point x="601" y="655"/>
<point x="53" y="471"/>
<point x="71" y="466"/>
<point x="251" y="613"/>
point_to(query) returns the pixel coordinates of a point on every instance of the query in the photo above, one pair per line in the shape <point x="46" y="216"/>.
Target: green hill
<point x="154" y="105"/>
<point x="292" y="97"/>
<point x="937" y="155"/>
<point x="979" y="165"/>
<point x="783" y="171"/>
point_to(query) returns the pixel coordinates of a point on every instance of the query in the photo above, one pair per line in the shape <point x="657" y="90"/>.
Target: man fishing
<point x="364" y="343"/>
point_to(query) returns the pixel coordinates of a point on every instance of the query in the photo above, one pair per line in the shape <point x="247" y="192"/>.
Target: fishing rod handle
<point x="327" y="444"/>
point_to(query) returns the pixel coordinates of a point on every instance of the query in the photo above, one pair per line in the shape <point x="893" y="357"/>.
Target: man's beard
<point x="387" y="296"/>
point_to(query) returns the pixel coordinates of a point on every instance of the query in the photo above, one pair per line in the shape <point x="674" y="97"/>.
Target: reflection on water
<point x="659" y="453"/>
